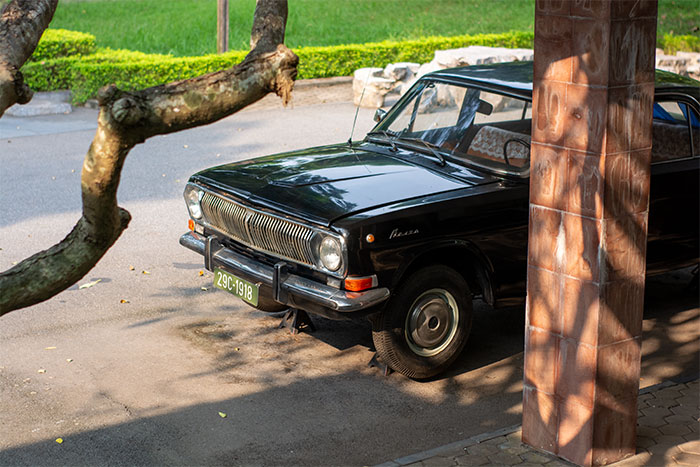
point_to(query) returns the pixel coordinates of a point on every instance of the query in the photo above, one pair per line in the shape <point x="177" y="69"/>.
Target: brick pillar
<point x="589" y="198"/>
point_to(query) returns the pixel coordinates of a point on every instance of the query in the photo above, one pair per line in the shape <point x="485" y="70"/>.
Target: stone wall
<point x="372" y="85"/>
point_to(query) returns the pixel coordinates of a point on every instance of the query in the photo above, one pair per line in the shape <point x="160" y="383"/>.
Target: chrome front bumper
<point x="288" y="289"/>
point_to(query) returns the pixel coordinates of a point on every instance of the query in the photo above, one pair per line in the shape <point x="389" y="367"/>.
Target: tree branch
<point x="22" y="23"/>
<point x="129" y="118"/>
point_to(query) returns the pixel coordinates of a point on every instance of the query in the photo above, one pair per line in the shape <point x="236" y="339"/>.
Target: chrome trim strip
<point x="321" y="294"/>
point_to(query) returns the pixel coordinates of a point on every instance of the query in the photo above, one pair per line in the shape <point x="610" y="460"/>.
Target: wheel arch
<point x="462" y="256"/>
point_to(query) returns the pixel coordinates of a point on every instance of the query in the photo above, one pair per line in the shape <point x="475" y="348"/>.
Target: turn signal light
<point x="190" y="224"/>
<point x="356" y="284"/>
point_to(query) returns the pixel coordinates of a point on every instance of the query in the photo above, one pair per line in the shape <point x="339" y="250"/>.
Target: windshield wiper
<point x="432" y="147"/>
<point x="391" y="138"/>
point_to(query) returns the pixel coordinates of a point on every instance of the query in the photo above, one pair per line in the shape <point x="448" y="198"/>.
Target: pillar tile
<point x="585" y="184"/>
<point x="548" y="174"/>
<point x="581" y="304"/>
<point x="546" y="227"/>
<point x="632" y="51"/>
<point x="543" y="307"/>
<point x="629" y="9"/>
<point x="598" y="9"/>
<point x="577" y="373"/>
<point x="590" y="52"/>
<point x="613" y="431"/>
<point x="629" y="118"/>
<point x="553" y="45"/>
<point x="582" y="247"/>
<point x="540" y="419"/>
<point x="585" y="118"/>
<point x="549" y="122"/>
<point x="624" y="247"/>
<point x="575" y="432"/>
<point x="617" y="376"/>
<point x="619" y="319"/>
<point x="627" y="183"/>
<point x="540" y="359"/>
<point x="553" y="7"/>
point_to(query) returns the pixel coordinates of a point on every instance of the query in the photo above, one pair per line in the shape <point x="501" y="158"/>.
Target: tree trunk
<point x="22" y="22"/>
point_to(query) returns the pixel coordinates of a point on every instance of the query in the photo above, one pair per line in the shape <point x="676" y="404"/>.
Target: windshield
<point x="465" y="124"/>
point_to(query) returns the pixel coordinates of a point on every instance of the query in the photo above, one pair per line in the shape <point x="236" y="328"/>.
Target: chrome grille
<point x="259" y="230"/>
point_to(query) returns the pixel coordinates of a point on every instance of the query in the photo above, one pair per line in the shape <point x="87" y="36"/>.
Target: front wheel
<point x="425" y="326"/>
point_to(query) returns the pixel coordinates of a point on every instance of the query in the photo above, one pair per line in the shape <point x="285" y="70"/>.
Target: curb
<point x="421" y="456"/>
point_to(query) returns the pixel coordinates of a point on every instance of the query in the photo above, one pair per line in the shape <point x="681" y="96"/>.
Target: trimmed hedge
<point x="343" y="60"/>
<point x="672" y="44"/>
<point x="75" y="67"/>
<point x="85" y="75"/>
<point x="56" y="43"/>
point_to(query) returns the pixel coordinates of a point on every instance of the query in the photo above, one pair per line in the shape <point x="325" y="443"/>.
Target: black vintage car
<point x="429" y="211"/>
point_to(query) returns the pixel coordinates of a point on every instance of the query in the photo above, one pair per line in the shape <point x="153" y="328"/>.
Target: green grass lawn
<point x="188" y="27"/>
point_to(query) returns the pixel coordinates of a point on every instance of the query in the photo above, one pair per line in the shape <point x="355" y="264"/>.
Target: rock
<point x="478" y="55"/>
<point x="672" y="63"/>
<point x="369" y="87"/>
<point x="693" y="68"/>
<point x="402" y="71"/>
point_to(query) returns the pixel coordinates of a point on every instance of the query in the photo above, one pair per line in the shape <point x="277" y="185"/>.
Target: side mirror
<point x="379" y="115"/>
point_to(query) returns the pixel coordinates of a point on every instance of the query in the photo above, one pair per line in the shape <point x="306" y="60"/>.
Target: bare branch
<point x="129" y="118"/>
<point x="21" y="25"/>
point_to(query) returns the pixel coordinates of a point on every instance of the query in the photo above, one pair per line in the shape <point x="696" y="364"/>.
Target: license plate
<point x="240" y="288"/>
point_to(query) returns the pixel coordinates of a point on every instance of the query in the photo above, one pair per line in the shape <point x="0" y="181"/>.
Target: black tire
<point x="267" y="304"/>
<point x="416" y="334"/>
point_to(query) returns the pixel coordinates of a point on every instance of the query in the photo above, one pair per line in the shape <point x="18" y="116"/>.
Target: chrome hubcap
<point x="431" y="323"/>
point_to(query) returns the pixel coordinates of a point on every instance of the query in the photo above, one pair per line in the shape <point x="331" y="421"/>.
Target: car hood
<point x="326" y="183"/>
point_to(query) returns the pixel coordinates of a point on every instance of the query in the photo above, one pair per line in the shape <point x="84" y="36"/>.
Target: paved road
<point x="144" y="382"/>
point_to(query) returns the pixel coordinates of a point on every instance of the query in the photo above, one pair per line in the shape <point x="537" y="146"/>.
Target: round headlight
<point x="331" y="254"/>
<point x="192" y="198"/>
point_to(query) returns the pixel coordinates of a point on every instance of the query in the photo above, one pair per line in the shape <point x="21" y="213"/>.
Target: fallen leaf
<point x="69" y="360"/>
<point x="59" y="440"/>
<point x="237" y="349"/>
<point x="204" y="288"/>
<point x="222" y="415"/>
<point x="201" y="273"/>
<point x="145" y="272"/>
<point x="124" y="301"/>
<point x="41" y="371"/>
<point x="131" y="268"/>
<point x="185" y="146"/>
<point x="87" y="285"/>
<point x="50" y="348"/>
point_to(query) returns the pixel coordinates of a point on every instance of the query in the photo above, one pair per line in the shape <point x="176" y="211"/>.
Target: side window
<point x="675" y="123"/>
<point x="508" y="113"/>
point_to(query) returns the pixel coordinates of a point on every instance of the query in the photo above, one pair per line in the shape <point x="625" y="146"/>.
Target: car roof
<point x="516" y="77"/>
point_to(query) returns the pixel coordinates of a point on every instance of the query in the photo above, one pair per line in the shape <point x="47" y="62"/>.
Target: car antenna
<point x="357" y="110"/>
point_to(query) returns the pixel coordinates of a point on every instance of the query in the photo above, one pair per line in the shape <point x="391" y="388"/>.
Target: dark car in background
<point x="427" y="213"/>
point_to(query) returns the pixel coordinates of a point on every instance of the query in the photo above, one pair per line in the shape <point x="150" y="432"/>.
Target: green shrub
<point x="86" y="74"/>
<point x="56" y="43"/>
<point x="672" y="44"/>
<point x="342" y="60"/>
